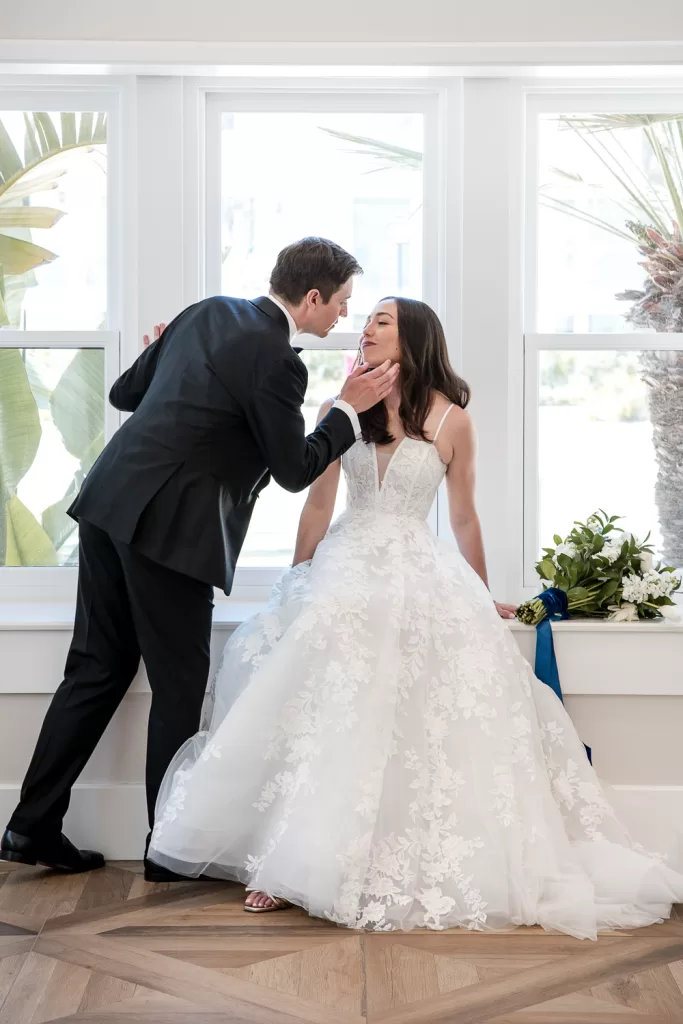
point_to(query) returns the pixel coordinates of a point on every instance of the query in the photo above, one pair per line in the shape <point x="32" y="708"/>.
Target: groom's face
<point x="321" y="317"/>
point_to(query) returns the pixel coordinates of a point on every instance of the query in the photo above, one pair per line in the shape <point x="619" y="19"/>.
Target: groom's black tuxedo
<point x="216" y="405"/>
<point x="163" y="514"/>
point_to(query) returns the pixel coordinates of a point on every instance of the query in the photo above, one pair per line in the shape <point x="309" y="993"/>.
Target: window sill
<point x="59" y="615"/>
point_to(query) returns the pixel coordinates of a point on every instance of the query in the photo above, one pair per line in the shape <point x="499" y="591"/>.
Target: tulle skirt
<point x="376" y="749"/>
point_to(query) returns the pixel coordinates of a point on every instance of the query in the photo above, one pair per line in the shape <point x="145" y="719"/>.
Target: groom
<point x="216" y="406"/>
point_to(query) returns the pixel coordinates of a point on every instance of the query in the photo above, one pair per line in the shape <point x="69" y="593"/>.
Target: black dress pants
<point x="128" y="606"/>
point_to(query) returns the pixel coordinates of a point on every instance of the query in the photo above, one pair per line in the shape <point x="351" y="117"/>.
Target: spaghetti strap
<point x="438" y="429"/>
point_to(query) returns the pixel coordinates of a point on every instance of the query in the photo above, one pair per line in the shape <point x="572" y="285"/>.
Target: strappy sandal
<point x="278" y="904"/>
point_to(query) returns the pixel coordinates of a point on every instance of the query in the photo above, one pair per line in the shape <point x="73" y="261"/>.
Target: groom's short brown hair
<point x="312" y="263"/>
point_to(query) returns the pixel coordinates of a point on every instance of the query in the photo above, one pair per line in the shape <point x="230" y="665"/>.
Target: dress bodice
<point x="406" y="486"/>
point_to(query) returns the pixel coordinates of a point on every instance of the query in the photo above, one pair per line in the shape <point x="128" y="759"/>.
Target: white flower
<point x="634" y="588"/>
<point x="624" y="612"/>
<point x="566" y="549"/>
<point x="670" y="613"/>
<point x="646" y="561"/>
<point x="611" y="550"/>
<point x="656" y="584"/>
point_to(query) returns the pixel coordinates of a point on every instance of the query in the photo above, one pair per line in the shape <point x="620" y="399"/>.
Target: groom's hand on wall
<point x="158" y="331"/>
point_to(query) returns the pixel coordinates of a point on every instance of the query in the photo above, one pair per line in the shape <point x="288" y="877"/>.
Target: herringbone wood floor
<point x="109" y="948"/>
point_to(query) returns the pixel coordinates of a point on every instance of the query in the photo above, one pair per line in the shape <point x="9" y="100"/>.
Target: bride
<point x="376" y="749"/>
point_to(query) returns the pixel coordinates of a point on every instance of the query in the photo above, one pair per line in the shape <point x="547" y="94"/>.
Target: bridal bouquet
<point x="603" y="571"/>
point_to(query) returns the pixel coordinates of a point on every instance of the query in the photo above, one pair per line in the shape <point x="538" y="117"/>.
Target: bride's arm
<point x="458" y="432"/>
<point x="318" y="510"/>
<point x="460" y="480"/>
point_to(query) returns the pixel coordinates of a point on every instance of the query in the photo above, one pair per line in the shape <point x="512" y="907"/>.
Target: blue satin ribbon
<point x="556" y="604"/>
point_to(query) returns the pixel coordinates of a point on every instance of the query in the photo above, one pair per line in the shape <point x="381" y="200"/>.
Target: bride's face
<point x="379" y="340"/>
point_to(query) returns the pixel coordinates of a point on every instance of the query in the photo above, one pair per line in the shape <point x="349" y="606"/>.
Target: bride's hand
<point x="506" y="611"/>
<point x="158" y="331"/>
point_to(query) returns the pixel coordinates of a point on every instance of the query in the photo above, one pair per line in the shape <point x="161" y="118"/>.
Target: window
<point x="347" y="167"/>
<point x="52" y="428"/>
<point x="604" y="373"/>
<point x="355" y="178"/>
<point x="57" y="356"/>
<point x="53" y="220"/>
<point x="276" y="517"/>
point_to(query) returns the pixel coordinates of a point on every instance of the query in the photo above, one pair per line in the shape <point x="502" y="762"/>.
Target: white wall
<point x="445" y="21"/>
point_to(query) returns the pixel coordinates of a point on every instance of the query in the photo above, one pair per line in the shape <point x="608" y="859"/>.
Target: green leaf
<point x="18" y="256"/>
<point x="77" y="403"/>
<point x="56" y="523"/>
<point x="100" y="131"/>
<point x="28" y="184"/>
<point x="29" y="216"/>
<point x="31" y="142"/>
<point x="68" y="129"/>
<point x="85" y="129"/>
<point x="27" y="542"/>
<point x="546" y="569"/>
<point x="609" y="589"/>
<point x="557" y="538"/>
<point x="10" y="161"/>
<point x="20" y="429"/>
<point x="48" y="132"/>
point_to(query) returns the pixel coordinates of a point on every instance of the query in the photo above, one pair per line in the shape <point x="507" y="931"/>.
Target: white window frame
<point x="533" y="346"/>
<point x="439" y="102"/>
<point x="33" y="583"/>
<point x="610" y="98"/>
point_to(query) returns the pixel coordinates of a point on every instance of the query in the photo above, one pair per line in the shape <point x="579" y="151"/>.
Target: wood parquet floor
<point x="110" y="948"/>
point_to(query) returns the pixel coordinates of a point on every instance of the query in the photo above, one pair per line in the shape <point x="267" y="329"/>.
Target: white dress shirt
<point x="339" y="403"/>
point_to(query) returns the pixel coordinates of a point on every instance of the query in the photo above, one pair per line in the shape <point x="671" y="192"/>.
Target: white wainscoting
<point x="623" y="685"/>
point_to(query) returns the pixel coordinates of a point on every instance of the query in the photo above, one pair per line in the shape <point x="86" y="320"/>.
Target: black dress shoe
<point x="155" y="873"/>
<point x="56" y="853"/>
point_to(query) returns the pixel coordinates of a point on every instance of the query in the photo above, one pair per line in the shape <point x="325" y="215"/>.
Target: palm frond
<point x="378" y="149"/>
<point x="616" y="122"/>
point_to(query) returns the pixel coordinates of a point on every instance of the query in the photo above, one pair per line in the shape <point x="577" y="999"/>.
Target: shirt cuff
<point x="352" y="414"/>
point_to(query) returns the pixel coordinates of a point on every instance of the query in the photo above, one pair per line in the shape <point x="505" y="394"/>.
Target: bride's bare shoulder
<point x="457" y="420"/>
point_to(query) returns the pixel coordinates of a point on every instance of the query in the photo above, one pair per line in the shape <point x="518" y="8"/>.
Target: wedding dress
<point x="378" y="751"/>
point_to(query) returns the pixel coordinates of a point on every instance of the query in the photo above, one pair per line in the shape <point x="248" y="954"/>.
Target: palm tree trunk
<point x="663" y="374"/>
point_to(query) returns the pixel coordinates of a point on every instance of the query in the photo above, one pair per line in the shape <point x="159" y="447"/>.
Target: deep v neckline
<point x="392" y="455"/>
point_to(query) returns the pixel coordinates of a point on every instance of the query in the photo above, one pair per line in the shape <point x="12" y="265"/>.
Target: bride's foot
<point x="261" y="903"/>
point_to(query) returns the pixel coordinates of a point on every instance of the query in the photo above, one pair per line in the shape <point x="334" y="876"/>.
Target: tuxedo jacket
<point x="216" y="406"/>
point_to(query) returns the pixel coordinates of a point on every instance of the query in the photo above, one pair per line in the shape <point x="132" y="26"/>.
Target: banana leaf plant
<point x="77" y="402"/>
<point x="22" y="539"/>
<point x="77" y="408"/>
<point x="43" y="162"/>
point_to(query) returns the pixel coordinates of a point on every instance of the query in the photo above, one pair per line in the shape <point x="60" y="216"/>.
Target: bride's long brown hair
<point x="425" y="368"/>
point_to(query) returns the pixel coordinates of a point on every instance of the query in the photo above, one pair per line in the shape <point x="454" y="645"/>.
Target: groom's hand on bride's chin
<point x="366" y="387"/>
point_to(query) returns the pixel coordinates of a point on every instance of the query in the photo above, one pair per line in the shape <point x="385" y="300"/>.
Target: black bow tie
<point x="297" y="350"/>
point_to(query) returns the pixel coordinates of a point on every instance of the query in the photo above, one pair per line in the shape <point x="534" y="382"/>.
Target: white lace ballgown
<point x="378" y="751"/>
